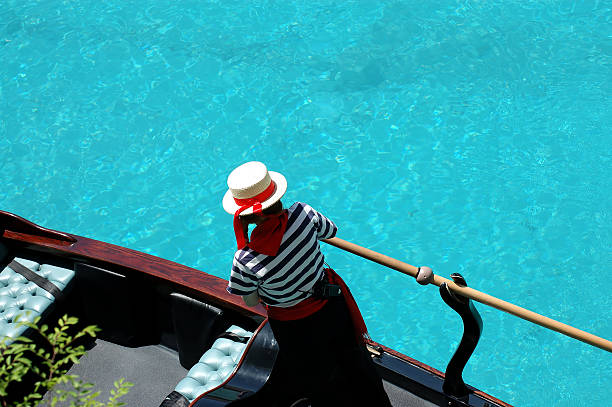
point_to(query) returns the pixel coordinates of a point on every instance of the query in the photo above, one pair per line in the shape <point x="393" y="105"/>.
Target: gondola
<point x="175" y="332"/>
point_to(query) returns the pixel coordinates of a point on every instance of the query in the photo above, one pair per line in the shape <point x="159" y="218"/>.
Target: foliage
<point x="47" y="364"/>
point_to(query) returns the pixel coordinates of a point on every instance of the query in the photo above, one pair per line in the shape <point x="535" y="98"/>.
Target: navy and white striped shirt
<point x="287" y="278"/>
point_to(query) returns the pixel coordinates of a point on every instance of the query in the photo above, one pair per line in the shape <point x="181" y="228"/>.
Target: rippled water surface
<point x="470" y="136"/>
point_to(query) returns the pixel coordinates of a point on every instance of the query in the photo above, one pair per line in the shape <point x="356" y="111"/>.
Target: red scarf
<point x="266" y="238"/>
<point x="254" y="202"/>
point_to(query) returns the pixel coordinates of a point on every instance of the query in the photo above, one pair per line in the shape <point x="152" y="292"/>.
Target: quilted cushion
<point x="18" y="296"/>
<point x="215" y="366"/>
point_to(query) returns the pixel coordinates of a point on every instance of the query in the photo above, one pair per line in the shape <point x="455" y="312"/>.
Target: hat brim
<point x="230" y="206"/>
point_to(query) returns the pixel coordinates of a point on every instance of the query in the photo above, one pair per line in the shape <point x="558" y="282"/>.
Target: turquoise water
<point x="472" y="137"/>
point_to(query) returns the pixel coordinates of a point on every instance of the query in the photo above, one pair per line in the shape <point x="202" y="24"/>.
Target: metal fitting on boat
<point x="424" y="275"/>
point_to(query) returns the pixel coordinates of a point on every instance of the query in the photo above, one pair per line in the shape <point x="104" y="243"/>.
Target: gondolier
<point x="312" y="314"/>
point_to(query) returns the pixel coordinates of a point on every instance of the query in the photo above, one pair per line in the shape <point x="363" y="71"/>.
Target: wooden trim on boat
<point x="21" y="232"/>
<point x="18" y="224"/>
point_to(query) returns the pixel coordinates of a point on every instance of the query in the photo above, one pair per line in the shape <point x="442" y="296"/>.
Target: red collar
<point x="267" y="237"/>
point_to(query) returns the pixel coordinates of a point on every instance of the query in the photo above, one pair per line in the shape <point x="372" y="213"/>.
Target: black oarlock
<point x="472" y="328"/>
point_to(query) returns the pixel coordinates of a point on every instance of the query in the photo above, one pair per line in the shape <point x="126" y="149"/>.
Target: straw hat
<point x="250" y="183"/>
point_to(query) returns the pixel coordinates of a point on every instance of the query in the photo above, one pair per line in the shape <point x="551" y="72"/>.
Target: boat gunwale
<point x="104" y="254"/>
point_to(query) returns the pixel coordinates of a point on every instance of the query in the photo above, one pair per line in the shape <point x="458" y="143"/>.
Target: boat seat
<point x="214" y="367"/>
<point x="19" y="296"/>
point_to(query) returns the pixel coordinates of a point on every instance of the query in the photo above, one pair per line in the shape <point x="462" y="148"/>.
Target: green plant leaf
<point x="22" y="356"/>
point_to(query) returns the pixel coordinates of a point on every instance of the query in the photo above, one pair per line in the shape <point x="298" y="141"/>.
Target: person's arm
<point x="326" y="229"/>
<point x="242" y="282"/>
<point x="252" y="299"/>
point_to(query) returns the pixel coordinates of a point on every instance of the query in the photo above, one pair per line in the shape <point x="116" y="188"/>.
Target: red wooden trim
<point x="16" y="223"/>
<point x="35" y="239"/>
<point x="116" y="256"/>
<point x="432" y="370"/>
<point x="231" y="376"/>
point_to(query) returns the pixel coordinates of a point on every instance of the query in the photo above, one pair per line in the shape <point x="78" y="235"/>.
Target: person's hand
<point x="252" y="299"/>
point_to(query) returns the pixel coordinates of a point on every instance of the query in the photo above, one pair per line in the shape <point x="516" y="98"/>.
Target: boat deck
<point x="400" y="397"/>
<point x="155" y="371"/>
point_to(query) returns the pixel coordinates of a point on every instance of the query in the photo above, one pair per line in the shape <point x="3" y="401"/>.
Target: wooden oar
<point x="475" y="295"/>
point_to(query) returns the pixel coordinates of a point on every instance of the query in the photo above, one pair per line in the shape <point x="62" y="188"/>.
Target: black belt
<point x="324" y="289"/>
<point x="37" y="279"/>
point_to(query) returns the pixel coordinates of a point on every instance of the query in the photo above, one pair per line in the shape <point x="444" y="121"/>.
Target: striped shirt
<point x="287" y="278"/>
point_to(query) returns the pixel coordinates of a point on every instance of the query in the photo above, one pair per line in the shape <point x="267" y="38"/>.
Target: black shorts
<point x="320" y="359"/>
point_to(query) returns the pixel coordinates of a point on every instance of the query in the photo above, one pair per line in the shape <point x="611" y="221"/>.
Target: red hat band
<point x="245" y="204"/>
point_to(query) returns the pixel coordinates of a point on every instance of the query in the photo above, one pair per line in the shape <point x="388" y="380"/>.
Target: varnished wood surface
<point x="10" y="221"/>
<point x="21" y="232"/>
